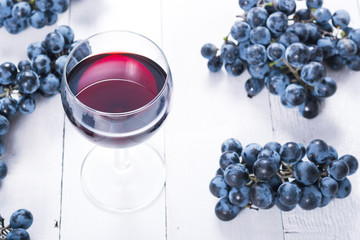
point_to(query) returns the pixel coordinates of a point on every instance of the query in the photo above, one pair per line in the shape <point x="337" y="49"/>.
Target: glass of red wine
<point x="116" y="91"/>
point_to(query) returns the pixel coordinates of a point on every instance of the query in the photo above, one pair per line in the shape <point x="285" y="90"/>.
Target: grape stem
<point x="292" y="70"/>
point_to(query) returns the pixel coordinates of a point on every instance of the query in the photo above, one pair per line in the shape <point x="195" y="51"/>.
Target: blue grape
<point x="2" y="151"/>
<point x="24" y="65"/>
<point x="59" y="6"/>
<point x="28" y="81"/>
<point x="316" y="53"/>
<point x="354" y="63"/>
<point x="8" y="107"/>
<point x="49" y="84"/>
<point x="352" y="163"/>
<point x="306" y="172"/>
<point x="208" y="51"/>
<point x="284" y="102"/>
<point x="67" y="34"/>
<point x="300" y="30"/>
<point x="243" y="46"/>
<point x="289" y="193"/>
<point x="336" y="62"/>
<point x="290" y="152"/>
<point x="215" y="64"/>
<point x="325" y="88"/>
<point x="297" y="54"/>
<point x="328" y="186"/>
<point x="4" y="124"/>
<point x="264" y="169"/>
<point x="312" y="72"/>
<point x="302" y="15"/>
<point x="218" y="187"/>
<point x="314" y="33"/>
<point x="236" y="175"/>
<point x="41" y="64"/>
<point x="253" y="86"/>
<point x="277" y="23"/>
<point x="5" y="8"/>
<point x="310" y="108"/>
<point x="43" y="5"/>
<point x="51" y="18"/>
<point x="355" y="36"/>
<point x="275" y="146"/>
<point x="27" y="104"/>
<point x="333" y="153"/>
<point x="236" y="68"/>
<point x="288" y="38"/>
<point x="318" y="151"/>
<point x="240" y="31"/>
<point x="286" y="6"/>
<point x="261" y="194"/>
<point x="325" y="27"/>
<point x="310" y="198"/>
<point x="256" y="17"/>
<point x="295" y="94"/>
<point x="314" y="3"/>
<point x="325" y="200"/>
<point x="8" y="73"/>
<point x="328" y="46"/>
<point x="225" y="210"/>
<point x="270" y="154"/>
<point x="260" y="35"/>
<point x="346" y="47"/>
<point x="14" y="25"/>
<point x="250" y="153"/>
<point x="322" y="15"/>
<point x="344" y="188"/>
<point x="34" y="49"/>
<point x="21" y="218"/>
<point x="38" y="19"/>
<point x="3" y="170"/>
<point x="60" y="64"/>
<point x="21" y="10"/>
<point x="275" y="51"/>
<point x="219" y="172"/>
<point x="246" y="5"/>
<point x="340" y="18"/>
<point x="240" y="196"/>
<point x="232" y="144"/>
<point x="256" y="54"/>
<point x="18" y="234"/>
<point x="54" y="42"/>
<point x="283" y="207"/>
<point x="277" y="82"/>
<point x="259" y="71"/>
<point x="227" y="158"/>
<point x="338" y="169"/>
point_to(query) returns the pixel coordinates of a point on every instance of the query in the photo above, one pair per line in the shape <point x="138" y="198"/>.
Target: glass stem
<point x="121" y="160"/>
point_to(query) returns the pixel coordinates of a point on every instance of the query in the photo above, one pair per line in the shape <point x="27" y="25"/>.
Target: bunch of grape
<point x="279" y="175"/>
<point x="41" y="74"/>
<point x="287" y="51"/>
<point x="20" y="221"/>
<point x="17" y="15"/>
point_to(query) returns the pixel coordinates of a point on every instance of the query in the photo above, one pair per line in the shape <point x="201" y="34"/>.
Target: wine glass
<point x="116" y="91"/>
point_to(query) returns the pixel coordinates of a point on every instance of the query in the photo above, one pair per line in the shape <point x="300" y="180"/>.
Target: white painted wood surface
<point x="44" y="152"/>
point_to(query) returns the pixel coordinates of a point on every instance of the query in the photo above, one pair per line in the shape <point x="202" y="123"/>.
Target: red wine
<point x="112" y="83"/>
<point x="116" y="82"/>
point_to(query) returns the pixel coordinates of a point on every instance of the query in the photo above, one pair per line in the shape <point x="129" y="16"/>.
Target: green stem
<point x="296" y="74"/>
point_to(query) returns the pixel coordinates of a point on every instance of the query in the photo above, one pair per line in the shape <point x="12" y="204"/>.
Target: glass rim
<point x="127" y="113"/>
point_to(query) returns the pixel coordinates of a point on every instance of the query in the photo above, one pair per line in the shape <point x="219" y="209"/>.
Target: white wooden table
<point x="44" y="153"/>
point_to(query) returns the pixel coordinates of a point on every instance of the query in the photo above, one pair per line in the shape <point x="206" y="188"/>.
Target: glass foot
<point x="123" y="180"/>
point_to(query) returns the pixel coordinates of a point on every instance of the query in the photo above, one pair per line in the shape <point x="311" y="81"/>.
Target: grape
<point x="229" y="53"/>
<point x="235" y="68"/>
<point x="346" y="47"/>
<point x="310" y="197"/>
<point x="288" y="38"/>
<point x="306" y="172"/>
<point x="322" y="15"/>
<point x="333" y="154"/>
<point x="54" y="42"/>
<point x="289" y="194"/>
<point x="18" y="234"/>
<point x="41" y="64"/>
<point x="310" y="108"/>
<point x="8" y="107"/>
<point x="275" y="51"/>
<point x="283" y="207"/>
<point x="4" y="125"/>
<point x="236" y="175"/>
<point x="27" y="104"/>
<point x="60" y="64"/>
<point x="297" y="54"/>
<point x="259" y="71"/>
<point x="49" y="84"/>
<point x="225" y="210"/>
<point x="240" y="196"/>
<point x="257" y="17"/>
<point x="240" y="31"/>
<point x="264" y="169"/>
<point x="338" y="169"/>
<point x="328" y="47"/>
<point x="277" y="23"/>
<point x="253" y="86"/>
<point x="232" y="144"/>
<point x="67" y="34"/>
<point x="5" y="8"/>
<point x="300" y="30"/>
<point x="314" y="3"/>
<point x="7" y="73"/>
<point x="354" y="63"/>
<point x="208" y="50"/>
<point x="43" y="5"/>
<point x="227" y="158"/>
<point x="286" y="6"/>
<point x="2" y="151"/>
<point x="312" y="72"/>
<point x="314" y="33"/>
<point x="295" y="94"/>
<point x="261" y="194"/>
<point x="328" y="186"/>
<point x="352" y="163"/>
<point x="355" y="36"/>
<point x="21" y="10"/>
<point x="316" y="53"/>
<point x="340" y="18"/>
<point x="38" y="19"/>
<point x="290" y="152"/>
<point x="344" y="188"/>
<point x="256" y="54"/>
<point x="34" y="49"/>
<point x="318" y="151"/>
<point x="247" y="4"/>
<point x="14" y="25"/>
<point x="336" y="62"/>
<point x="325" y="200"/>
<point x="28" y="81"/>
<point x="215" y="64"/>
<point x="3" y="170"/>
<point x="24" y="65"/>
<point x="325" y="88"/>
<point x="260" y="35"/>
<point x="302" y="14"/>
<point x="51" y="18"/>
<point x="218" y="187"/>
<point x="275" y="146"/>
<point x="270" y="154"/>
<point x="21" y="218"/>
<point x="243" y="46"/>
<point x="59" y="6"/>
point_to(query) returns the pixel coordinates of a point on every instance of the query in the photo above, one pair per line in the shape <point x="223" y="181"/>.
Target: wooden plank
<point x="207" y="108"/>
<point x="80" y="218"/>
<point x="337" y="124"/>
<point x="33" y="148"/>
